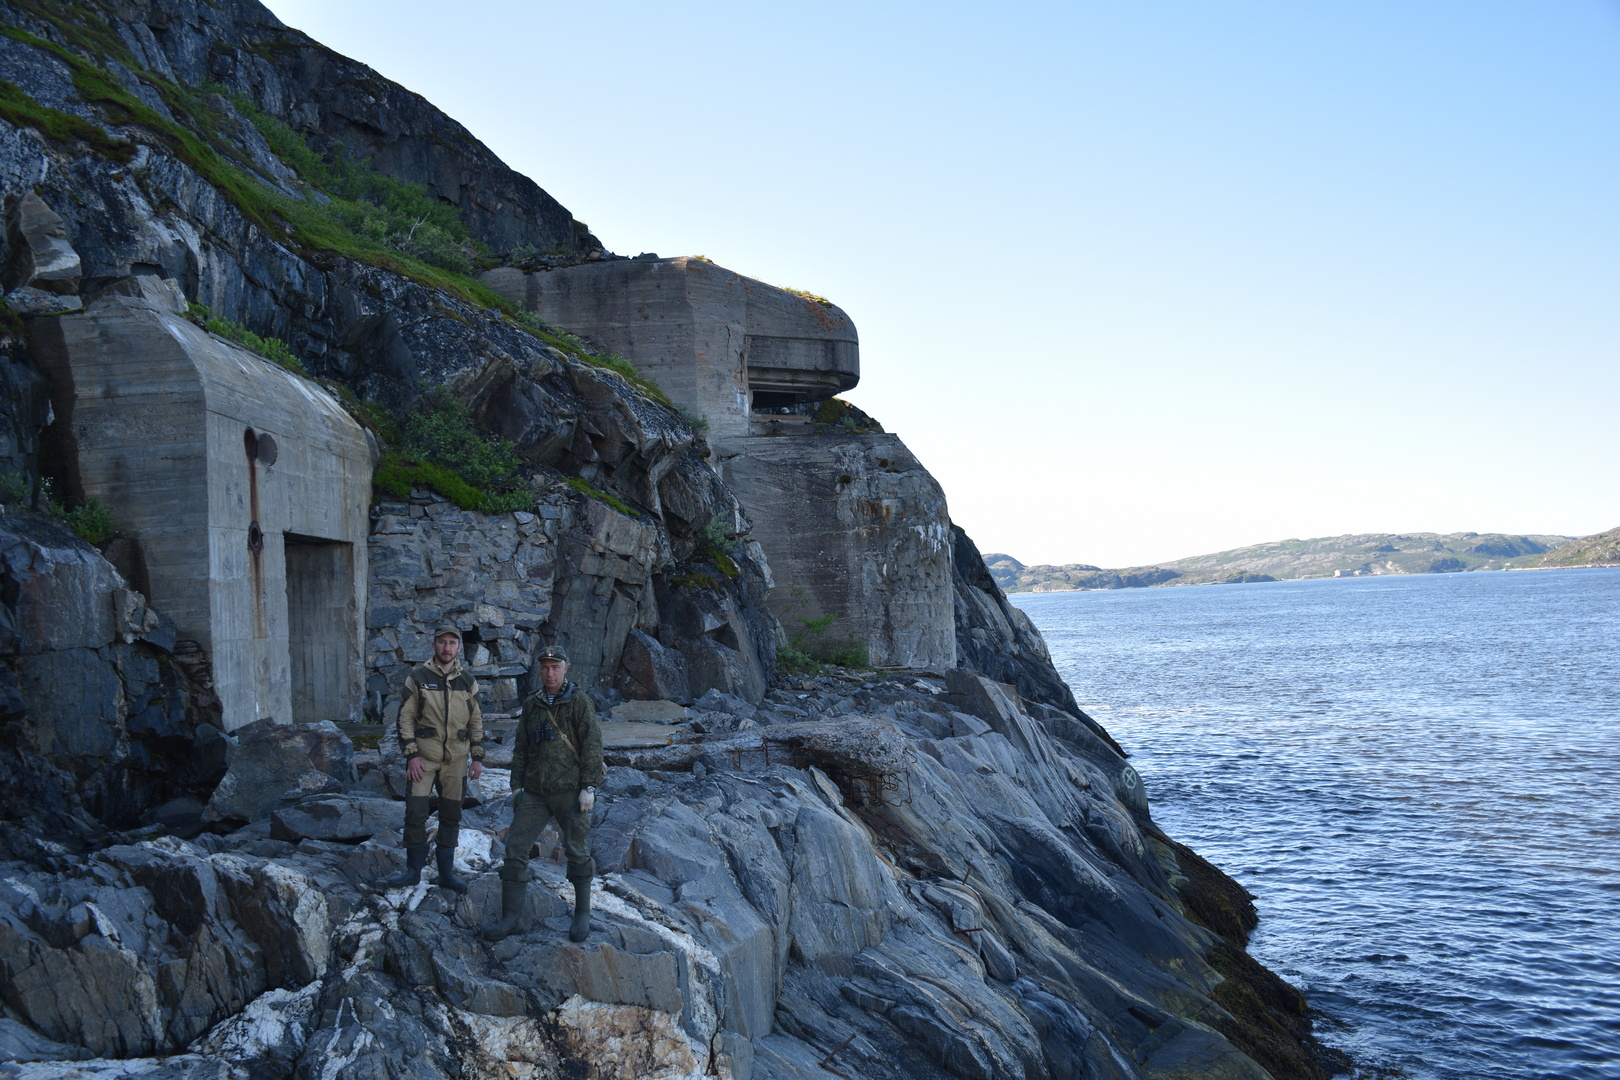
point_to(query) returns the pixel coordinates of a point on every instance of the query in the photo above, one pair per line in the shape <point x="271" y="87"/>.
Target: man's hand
<point x="476" y="769"/>
<point x="587" y="799"/>
<point x="517" y="799"/>
<point x="414" y="769"/>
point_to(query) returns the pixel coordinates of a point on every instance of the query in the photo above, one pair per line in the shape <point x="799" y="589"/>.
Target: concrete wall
<point x="151" y="414"/>
<point x="854" y="527"/>
<point x="709" y="337"/>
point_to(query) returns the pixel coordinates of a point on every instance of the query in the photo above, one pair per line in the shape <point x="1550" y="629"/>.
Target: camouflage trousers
<point x="533" y="812"/>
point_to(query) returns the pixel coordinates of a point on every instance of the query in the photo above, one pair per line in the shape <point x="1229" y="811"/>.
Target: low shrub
<point x="272" y="349"/>
<point x="811" y="640"/>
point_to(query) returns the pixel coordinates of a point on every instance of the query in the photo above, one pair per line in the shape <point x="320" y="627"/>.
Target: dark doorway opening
<point x="321" y="648"/>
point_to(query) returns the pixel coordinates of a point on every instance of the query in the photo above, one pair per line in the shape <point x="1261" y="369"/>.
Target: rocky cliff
<point x="948" y="873"/>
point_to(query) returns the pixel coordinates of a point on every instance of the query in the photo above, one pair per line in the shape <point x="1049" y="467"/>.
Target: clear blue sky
<point x="1134" y="280"/>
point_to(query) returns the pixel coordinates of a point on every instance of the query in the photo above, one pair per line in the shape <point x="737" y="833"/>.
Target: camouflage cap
<point x="446" y="629"/>
<point x="553" y="652"/>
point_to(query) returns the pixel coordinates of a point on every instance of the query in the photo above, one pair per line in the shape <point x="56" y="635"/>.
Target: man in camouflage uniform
<point x="556" y="766"/>
<point x="441" y="733"/>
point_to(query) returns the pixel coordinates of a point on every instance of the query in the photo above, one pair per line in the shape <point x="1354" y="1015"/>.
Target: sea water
<point x="1417" y="778"/>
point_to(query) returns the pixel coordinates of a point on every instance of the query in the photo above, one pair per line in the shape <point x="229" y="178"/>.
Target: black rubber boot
<point x="580" y="929"/>
<point x="447" y="871"/>
<point x="415" y="859"/>
<point x="514" y="894"/>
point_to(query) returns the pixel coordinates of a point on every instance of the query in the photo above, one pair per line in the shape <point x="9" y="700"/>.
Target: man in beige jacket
<point x="441" y="734"/>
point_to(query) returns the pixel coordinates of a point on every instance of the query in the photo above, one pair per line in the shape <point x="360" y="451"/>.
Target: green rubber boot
<point x="513" y="896"/>
<point x="580" y="929"/>
<point x="447" y="871"/>
<point x="415" y="859"/>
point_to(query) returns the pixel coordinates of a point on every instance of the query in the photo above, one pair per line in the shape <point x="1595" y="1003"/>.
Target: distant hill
<point x="1362" y="554"/>
<point x="1600" y="549"/>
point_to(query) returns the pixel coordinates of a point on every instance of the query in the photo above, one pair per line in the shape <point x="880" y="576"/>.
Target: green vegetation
<point x="1599" y="549"/>
<point x="567" y="343"/>
<point x="698" y="424"/>
<point x="89" y="519"/>
<point x="272" y="349"/>
<point x="695" y="580"/>
<point x="822" y="300"/>
<point x="810" y="647"/>
<point x="366" y="216"/>
<point x="374" y="208"/>
<point x="14" y="489"/>
<point x="583" y="486"/>
<point x="438" y="447"/>
<point x="63" y="127"/>
<point x="835" y="412"/>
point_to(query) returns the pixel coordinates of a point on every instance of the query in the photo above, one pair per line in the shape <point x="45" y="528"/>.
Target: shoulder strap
<point x="563" y="735"/>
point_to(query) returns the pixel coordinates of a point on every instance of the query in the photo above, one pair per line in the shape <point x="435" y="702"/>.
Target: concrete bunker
<point x="244" y="488"/>
<point x="852" y="525"/>
<point x="717" y="342"/>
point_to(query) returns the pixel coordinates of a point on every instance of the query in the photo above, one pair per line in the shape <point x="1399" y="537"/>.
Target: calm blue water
<point x="1416" y="775"/>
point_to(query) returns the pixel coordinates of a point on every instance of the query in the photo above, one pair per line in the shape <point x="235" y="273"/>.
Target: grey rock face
<point x="344" y="818"/>
<point x="95" y="708"/>
<point x="996" y="639"/>
<point x="857" y="529"/>
<point x="652" y="670"/>
<point x="142" y="949"/>
<point x="273" y="763"/>
<point x="975" y="905"/>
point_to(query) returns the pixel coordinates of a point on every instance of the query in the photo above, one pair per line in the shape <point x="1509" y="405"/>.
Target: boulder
<point x="27" y="300"/>
<point x="652" y="670"/>
<point x="717" y="700"/>
<point x="274" y="763"/>
<point x="344" y="818"/>
<point x="38" y="253"/>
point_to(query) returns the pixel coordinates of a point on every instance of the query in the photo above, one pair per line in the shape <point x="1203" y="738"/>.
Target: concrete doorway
<point x="320" y="616"/>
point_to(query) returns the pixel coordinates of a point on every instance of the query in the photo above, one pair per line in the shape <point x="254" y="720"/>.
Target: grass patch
<point x="812" y="297"/>
<point x="371" y="206"/>
<point x="62" y="127"/>
<point x="273" y="349"/>
<point x="437" y="447"/>
<point x="835" y="412"/>
<point x="583" y="486"/>
<point x="696" y="580"/>
<point x="360" y="214"/>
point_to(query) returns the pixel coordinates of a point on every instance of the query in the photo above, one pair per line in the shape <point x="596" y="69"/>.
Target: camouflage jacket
<point x="558" y="747"/>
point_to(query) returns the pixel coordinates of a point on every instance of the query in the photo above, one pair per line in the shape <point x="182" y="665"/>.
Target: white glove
<point x="587" y="799"/>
